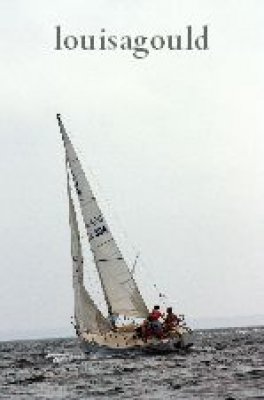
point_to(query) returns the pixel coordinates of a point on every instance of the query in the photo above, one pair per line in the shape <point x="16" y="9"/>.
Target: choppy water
<point x="224" y="364"/>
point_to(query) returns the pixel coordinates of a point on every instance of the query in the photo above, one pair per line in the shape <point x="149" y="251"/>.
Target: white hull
<point x="126" y="341"/>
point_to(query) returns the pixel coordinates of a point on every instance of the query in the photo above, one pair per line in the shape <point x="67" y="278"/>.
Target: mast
<point x="87" y="315"/>
<point x="120" y="289"/>
<point x="62" y="130"/>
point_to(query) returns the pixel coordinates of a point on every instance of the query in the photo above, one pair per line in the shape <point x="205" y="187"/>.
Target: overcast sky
<point x="173" y="146"/>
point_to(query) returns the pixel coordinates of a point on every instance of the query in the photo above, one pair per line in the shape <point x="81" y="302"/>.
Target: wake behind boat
<point x="120" y="290"/>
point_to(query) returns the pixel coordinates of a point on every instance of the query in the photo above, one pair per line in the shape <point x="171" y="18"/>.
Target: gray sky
<point x="173" y="145"/>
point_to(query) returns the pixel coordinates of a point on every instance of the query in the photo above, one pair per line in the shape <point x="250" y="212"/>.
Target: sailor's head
<point x="156" y="307"/>
<point x="169" y="310"/>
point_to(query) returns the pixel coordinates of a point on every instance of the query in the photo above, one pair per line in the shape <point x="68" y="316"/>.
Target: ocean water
<point x="223" y="364"/>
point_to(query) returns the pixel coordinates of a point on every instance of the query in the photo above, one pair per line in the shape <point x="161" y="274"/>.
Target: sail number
<point x="96" y="227"/>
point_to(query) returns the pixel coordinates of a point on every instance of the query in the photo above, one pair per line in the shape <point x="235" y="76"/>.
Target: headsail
<point x="88" y="317"/>
<point x="121" y="292"/>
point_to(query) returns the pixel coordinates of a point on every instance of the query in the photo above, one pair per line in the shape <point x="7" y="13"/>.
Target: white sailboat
<point x="119" y="287"/>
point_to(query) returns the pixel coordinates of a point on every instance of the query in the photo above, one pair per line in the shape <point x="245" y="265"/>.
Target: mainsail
<point x="121" y="292"/>
<point x="88" y="317"/>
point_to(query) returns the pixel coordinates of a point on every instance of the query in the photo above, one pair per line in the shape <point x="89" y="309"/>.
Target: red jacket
<point x="155" y="315"/>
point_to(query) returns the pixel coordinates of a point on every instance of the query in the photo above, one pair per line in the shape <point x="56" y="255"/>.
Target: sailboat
<point x="120" y="290"/>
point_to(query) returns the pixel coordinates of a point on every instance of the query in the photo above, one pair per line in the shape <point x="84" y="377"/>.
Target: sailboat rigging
<point x="119" y="287"/>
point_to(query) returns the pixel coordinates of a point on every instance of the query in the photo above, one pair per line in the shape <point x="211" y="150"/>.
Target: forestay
<point x="88" y="317"/>
<point x="120" y="290"/>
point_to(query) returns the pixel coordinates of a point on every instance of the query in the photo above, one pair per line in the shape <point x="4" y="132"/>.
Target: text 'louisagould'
<point x="140" y="45"/>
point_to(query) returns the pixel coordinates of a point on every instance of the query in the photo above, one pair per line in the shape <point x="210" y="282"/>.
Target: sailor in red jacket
<point x="155" y="323"/>
<point x="155" y="314"/>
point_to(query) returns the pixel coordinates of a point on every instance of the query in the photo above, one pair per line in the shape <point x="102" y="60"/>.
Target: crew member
<point x="171" y="321"/>
<point x="155" y="323"/>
